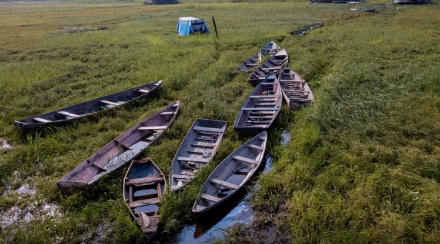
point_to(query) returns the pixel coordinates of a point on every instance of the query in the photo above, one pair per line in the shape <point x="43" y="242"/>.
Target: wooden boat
<point x="232" y="174"/>
<point x="270" y="48"/>
<point x="261" y="108"/>
<point x="143" y="187"/>
<point x="296" y="91"/>
<point x="196" y="150"/>
<point x="121" y="150"/>
<point x="274" y="64"/>
<point x="75" y="112"/>
<point x="249" y="64"/>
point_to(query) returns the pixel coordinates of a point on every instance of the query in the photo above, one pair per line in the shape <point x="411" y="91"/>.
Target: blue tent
<point x="189" y="25"/>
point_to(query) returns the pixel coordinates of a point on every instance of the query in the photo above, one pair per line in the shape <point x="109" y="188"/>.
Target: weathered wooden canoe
<point x="269" y="49"/>
<point x="274" y="64"/>
<point x="121" y="150"/>
<point x="143" y="187"/>
<point x="196" y="150"/>
<point x="296" y="91"/>
<point x="232" y="174"/>
<point x="261" y="108"/>
<point x="75" y="112"/>
<point x="249" y="64"/>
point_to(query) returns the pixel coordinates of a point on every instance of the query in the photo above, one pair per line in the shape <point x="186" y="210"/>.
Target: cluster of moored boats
<point x="144" y="183"/>
<point x="304" y="30"/>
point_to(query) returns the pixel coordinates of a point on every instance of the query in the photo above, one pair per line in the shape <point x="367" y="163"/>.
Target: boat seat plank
<point x="144" y="202"/>
<point x="201" y="128"/>
<point x="256" y="147"/>
<point x="42" y="120"/>
<point x="143" y="90"/>
<point x="211" y="145"/>
<point x="260" y="117"/>
<point x="166" y="113"/>
<point x="224" y="183"/>
<point x="210" y="198"/>
<point x="194" y="151"/>
<point x="259" y="109"/>
<point x="269" y="83"/>
<point x="68" y="114"/>
<point x="197" y="160"/>
<point x="130" y="182"/>
<point x="199" y="208"/>
<point x="266" y="96"/>
<point x="205" y="139"/>
<point x="110" y="103"/>
<point x="258" y="122"/>
<point x="177" y="176"/>
<point x="263" y="112"/>
<point x="243" y="159"/>
<point x="152" y="128"/>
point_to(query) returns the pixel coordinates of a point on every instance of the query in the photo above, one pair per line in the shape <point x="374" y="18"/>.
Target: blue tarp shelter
<point x="190" y="25"/>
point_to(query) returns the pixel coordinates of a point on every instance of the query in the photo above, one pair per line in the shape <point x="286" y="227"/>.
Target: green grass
<point x="355" y="156"/>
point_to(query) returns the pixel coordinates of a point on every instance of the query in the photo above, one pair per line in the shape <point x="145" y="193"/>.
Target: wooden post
<point x="215" y="27"/>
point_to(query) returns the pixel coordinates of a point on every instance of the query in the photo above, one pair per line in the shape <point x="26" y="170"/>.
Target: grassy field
<point x="363" y="161"/>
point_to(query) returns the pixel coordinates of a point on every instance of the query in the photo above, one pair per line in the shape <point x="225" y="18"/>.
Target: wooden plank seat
<point x="68" y="114"/>
<point x="110" y="103"/>
<point x="143" y="180"/>
<point x="194" y="151"/>
<point x="144" y="202"/>
<point x="201" y="128"/>
<point x="258" y="122"/>
<point x="211" y="145"/>
<point x="196" y="160"/>
<point x="210" y="198"/>
<point x="205" y="139"/>
<point x="167" y="113"/>
<point x="224" y="183"/>
<point x="263" y="112"/>
<point x="260" y="117"/>
<point x="177" y="176"/>
<point x="243" y="159"/>
<point x="260" y="109"/>
<point x="41" y="120"/>
<point x="266" y="96"/>
<point x="144" y="90"/>
<point x="256" y="147"/>
<point x="269" y="83"/>
<point x="199" y="208"/>
<point x="152" y="128"/>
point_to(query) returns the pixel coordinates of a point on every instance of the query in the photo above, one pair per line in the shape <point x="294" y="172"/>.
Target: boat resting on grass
<point x="196" y="150"/>
<point x="143" y="187"/>
<point x="121" y="150"/>
<point x="296" y="91"/>
<point x="261" y="108"/>
<point x="274" y="64"/>
<point x="270" y="48"/>
<point x="232" y="174"/>
<point x="249" y="64"/>
<point x="64" y="115"/>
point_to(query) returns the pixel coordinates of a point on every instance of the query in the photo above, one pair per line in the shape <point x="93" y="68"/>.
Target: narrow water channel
<point x="236" y="210"/>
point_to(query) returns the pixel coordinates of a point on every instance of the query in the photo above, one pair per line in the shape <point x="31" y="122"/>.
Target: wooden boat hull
<point x="273" y="65"/>
<point x="231" y="174"/>
<point x="260" y="109"/>
<point x="68" y="114"/>
<point x="270" y="48"/>
<point x="121" y="150"/>
<point x="249" y="64"/>
<point x="142" y="190"/>
<point x="296" y="91"/>
<point x="196" y="150"/>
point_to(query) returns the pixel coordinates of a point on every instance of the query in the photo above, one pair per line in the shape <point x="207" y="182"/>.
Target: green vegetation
<point x="363" y="162"/>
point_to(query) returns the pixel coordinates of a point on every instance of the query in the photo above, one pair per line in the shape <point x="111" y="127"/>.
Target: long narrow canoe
<point x="196" y="150"/>
<point x="232" y="174"/>
<point x="296" y="91"/>
<point x="249" y="64"/>
<point x="121" y="150"/>
<point x="64" y="115"/>
<point x="144" y="185"/>
<point x="261" y="108"/>
<point x="273" y="65"/>
<point x="269" y="49"/>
